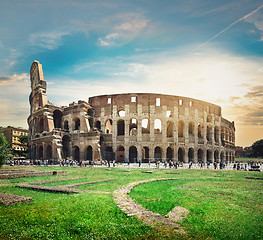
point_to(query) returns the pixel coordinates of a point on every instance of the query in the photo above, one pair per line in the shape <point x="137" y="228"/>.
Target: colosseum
<point x="127" y="128"/>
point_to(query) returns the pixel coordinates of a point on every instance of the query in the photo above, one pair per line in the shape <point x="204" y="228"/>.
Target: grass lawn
<point x="248" y="159"/>
<point x="222" y="204"/>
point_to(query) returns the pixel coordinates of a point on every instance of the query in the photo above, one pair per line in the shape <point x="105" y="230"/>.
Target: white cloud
<point x="108" y="39"/>
<point x="14" y="79"/>
<point x="49" y="40"/>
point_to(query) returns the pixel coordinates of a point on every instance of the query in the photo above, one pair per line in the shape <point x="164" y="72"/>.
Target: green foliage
<point x="4" y="150"/>
<point x="23" y="139"/>
<point x="258" y="148"/>
<point x="222" y="204"/>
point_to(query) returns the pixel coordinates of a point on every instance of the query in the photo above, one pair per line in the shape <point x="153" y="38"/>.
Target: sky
<point x="205" y="49"/>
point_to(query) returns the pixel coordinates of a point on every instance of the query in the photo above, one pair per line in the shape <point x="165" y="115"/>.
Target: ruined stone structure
<point x="127" y="127"/>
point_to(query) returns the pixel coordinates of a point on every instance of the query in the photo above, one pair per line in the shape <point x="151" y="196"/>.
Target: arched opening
<point x="181" y="155"/>
<point x="191" y="155"/>
<point x="222" y="157"/>
<point x="145" y="126"/>
<point x="191" y="129"/>
<point x="120" y="127"/>
<point x="222" y="136"/>
<point x="209" y="118"/>
<point x="132" y="154"/>
<point x="90" y="122"/>
<point x="49" y="152"/>
<point x="228" y="156"/>
<point x="145" y="154"/>
<point x="121" y="112"/>
<point x="66" y="127"/>
<point x="33" y="152"/>
<point x="109" y="154"/>
<point x="200" y="130"/>
<point x="101" y="141"/>
<point x="76" y="123"/>
<point x="76" y="153"/>
<point x="98" y="125"/>
<point x="216" y="156"/>
<point x="157" y="126"/>
<point x="133" y="127"/>
<point x="200" y="155"/>
<point x="158" y="154"/>
<point x="170" y="129"/>
<point x="181" y="128"/>
<point x="108" y="126"/>
<point x="90" y="112"/>
<point x="57" y="118"/>
<point x="209" y="156"/>
<point x="65" y="147"/>
<point x="209" y="133"/>
<point x="41" y="125"/>
<point x="89" y="153"/>
<point x="169" y="153"/>
<point x="216" y="134"/>
<point x="40" y="152"/>
<point x="120" y="154"/>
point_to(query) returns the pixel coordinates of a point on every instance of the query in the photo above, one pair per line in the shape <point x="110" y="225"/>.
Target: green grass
<point x="222" y="204"/>
<point x="248" y="159"/>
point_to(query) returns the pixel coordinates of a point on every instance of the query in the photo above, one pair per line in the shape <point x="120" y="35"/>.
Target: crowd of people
<point x="171" y="164"/>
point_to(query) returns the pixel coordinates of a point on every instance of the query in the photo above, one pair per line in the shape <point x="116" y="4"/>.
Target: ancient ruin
<point x="127" y="127"/>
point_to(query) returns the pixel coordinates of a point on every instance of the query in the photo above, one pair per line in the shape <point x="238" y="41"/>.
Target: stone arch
<point x="157" y="125"/>
<point x="200" y="155"/>
<point x="158" y="153"/>
<point x="216" y="134"/>
<point x="108" y="126"/>
<point x="66" y="146"/>
<point x="98" y="125"/>
<point x="145" y="126"/>
<point x="41" y="125"/>
<point x="66" y="127"/>
<point x="109" y="154"/>
<point x="209" y="133"/>
<point x="145" y="154"/>
<point x="181" y="154"/>
<point x="191" y="155"/>
<point x="209" y="118"/>
<point x="191" y="127"/>
<point x="57" y="118"/>
<point x="76" y="125"/>
<point x="120" y="127"/>
<point x="34" y="151"/>
<point x="170" y="128"/>
<point x="209" y="155"/>
<point x="216" y="156"/>
<point x="40" y="152"/>
<point x="200" y="130"/>
<point x="49" y="152"/>
<point x="181" y="128"/>
<point x="120" y="154"/>
<point x="132" y="154"/>
<point x="89" y="153"/>
<point x="222" y="135"/>
<point x="133" y="127"/>
<point x="76" y="153"/>
<point x="121" y="112"/>
<point x="169" y="153"/>
<point x="222" y="156"/>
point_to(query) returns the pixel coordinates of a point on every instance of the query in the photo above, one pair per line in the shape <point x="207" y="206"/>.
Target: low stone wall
<point x="9" y="199"/>
<point x="6" y="174"/>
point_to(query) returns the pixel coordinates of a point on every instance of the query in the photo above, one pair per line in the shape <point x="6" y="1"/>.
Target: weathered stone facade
<point x="134" y="126"/>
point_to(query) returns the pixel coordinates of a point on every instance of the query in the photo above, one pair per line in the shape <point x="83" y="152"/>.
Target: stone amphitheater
<point x="127" y="128"/>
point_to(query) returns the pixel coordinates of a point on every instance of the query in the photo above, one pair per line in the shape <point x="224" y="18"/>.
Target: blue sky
<point x="209" y="50"/>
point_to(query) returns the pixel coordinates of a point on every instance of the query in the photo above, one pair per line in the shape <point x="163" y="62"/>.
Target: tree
<point x="23" y="139"/>
<point x="4" y="150"/>
<point x="258" y="148"/>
